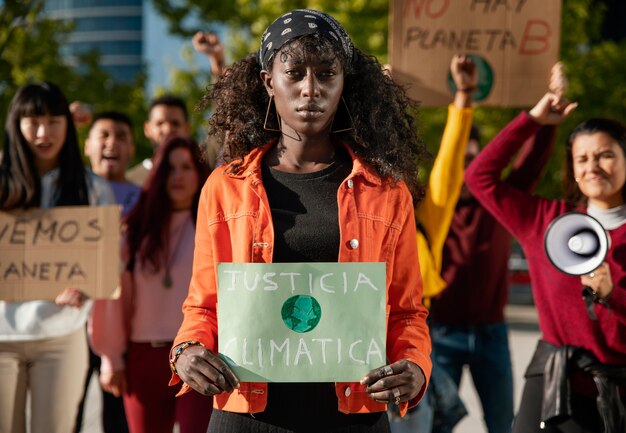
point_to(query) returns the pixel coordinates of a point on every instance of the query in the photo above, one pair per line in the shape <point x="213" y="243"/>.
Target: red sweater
<point x="475" y="258"/>
<point x="477" y="249"/>
<point x="562" y="316"/>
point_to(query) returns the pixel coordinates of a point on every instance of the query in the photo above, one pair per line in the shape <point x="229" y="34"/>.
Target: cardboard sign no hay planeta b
<point x="513" y="42"/>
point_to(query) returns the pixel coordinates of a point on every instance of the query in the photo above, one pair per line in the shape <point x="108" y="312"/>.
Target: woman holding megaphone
<point x="576" y="379"/>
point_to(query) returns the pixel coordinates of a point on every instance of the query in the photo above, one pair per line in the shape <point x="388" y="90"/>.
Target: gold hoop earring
<point x="267" y="114"/>
<point x="349" y="117"/>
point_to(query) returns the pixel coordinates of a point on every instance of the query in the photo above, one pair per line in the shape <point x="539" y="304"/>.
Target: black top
<point x="305" y="212"/>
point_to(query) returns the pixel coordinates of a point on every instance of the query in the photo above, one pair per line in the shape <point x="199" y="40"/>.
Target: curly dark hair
<point x="384" y="130"/>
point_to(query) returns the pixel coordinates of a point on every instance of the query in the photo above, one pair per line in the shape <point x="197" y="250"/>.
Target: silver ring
<point x="386" y="371"/>
<point x="592" y="275"/>
<point x="396" y="394"/>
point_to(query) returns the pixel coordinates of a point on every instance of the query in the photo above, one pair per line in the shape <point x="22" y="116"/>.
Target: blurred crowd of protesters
<point x="463" y="239"/>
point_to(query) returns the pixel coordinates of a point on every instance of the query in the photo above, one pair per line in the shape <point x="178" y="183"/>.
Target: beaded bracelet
<point x="467" y="89"/>
<point x="179" y="350"/>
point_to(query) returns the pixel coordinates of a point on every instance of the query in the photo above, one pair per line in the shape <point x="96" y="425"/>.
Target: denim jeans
<point x="485" y="350"/>
<point x="439" y="410"/>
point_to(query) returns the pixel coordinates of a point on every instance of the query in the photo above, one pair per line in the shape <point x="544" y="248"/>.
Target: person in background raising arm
<point x="441" y="407"/>
<point x="578" y="360"/>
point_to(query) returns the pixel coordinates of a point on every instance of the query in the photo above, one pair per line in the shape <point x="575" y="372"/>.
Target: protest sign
<point x="302" y="322"/>
<point x="513" y="42"/>
<point x="43" y="251"/>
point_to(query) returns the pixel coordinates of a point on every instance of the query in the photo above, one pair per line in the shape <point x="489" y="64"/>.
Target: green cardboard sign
<point x="302" y="322"/>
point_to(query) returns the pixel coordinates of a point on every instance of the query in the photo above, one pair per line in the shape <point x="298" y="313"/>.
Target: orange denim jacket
<point x="235" y="225"/>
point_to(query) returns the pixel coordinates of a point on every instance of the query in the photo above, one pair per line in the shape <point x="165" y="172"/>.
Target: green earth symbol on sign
<point x="301" y="313"/>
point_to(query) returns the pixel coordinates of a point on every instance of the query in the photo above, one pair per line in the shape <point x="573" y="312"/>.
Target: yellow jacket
<point x="435" y="211"/>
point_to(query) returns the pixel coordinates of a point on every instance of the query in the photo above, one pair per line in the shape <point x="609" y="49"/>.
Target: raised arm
<point x="512" y="207"/>
<point x="446" y="177"/>
<point x="533" y="157"/>
<point x="436" y="210"/>
<point x="209" y="43"/>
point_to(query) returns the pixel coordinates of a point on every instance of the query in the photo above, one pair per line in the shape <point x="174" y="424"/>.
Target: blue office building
<point x="112" y="27"/>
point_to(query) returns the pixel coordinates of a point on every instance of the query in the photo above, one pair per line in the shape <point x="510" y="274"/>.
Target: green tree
<point x="30" y="51"/>
<point x="28" y="48"/>
<point x="594" y="66"/>
<point x="366" y="21"/>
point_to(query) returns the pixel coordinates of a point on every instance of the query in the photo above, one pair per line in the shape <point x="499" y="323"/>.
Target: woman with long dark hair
<point x="42" y="344"/>
<point x="134" y="334"/>
<point x="321" y="154"/>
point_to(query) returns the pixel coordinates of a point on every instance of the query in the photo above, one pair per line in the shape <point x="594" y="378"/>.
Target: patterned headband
<point x="302" y="22"/>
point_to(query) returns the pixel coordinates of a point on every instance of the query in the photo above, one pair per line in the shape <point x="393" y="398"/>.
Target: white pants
<point x="53" y="371"/>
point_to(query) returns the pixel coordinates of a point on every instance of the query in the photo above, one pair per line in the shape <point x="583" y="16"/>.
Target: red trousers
<point x="150" y="404"/>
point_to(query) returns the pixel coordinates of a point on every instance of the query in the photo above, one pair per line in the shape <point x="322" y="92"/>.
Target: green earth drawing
<point x="485" y="78"/>
<point x="301" y="313"/>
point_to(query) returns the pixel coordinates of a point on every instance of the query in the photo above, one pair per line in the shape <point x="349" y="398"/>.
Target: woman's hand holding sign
<point x="72" y="297"/>
<point x="394" y="383"/>
<point x="205" y="372"/>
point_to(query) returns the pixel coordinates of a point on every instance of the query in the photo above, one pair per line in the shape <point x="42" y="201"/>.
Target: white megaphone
<point x="576" y="243"/>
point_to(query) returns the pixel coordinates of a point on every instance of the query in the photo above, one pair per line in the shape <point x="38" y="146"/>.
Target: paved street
<point x="524" y="333"/>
